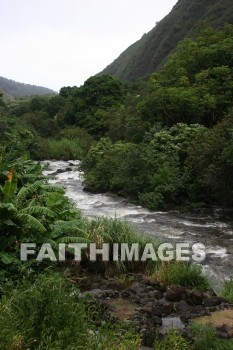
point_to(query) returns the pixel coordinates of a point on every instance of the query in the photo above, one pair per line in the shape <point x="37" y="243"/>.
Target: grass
<point x="173" y="340"/>
<point x="228" y="290"/>
<point x="64" y="149"/>
<point x="205" y="338"/>
<point x="107" y="230"/>
<point x="71" y="143"/>
<point x="184" y="274"/>
<point x="47" y="315"/>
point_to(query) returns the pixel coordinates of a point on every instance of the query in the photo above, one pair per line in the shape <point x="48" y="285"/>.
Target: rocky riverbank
<point x="153" y="309"/>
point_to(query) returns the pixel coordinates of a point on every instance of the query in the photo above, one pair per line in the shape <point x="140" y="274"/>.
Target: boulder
<point x="176" y="293"/>
<point x="183" y="307"/>
<point x="196" y="297"/>
<point x="169" y="323"/>
<point x="214" y="301"/>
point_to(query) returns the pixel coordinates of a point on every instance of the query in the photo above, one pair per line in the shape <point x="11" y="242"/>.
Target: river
<point x="212" y="228"/>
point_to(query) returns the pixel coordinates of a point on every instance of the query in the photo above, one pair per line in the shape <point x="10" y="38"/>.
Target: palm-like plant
<point x="37" y="212"/>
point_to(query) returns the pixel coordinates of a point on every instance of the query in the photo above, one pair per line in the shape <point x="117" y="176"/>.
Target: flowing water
<point x="214" y="229"/>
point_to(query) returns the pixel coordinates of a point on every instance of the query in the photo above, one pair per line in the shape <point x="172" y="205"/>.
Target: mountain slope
<point x="150" y="52"/>
<point x="12" y="89"/>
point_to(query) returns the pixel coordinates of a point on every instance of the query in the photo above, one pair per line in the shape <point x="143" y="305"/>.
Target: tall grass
<point x="71" y="143"/>
<point x="184" y="274"/>
<point x="228" y="290"/>
<point x="205" y="338"/>
<point x="47" y="315"/>
<point x="107" y="230"/>
<point x="64" y="149"/>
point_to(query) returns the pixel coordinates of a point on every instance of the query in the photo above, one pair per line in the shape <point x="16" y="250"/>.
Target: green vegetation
<point x="46" y="314"/>
<point x="172" y="340"/>
<point x="106" y="230"/>
<point x="149" y="54"/>
<point x="183" y="152"/>
<point x="228" y="290"/>
<point x="12" y="89"/>
<point x="205" y="338"/>
<point x="183" y="274"/>
<point x="166" y="142"/>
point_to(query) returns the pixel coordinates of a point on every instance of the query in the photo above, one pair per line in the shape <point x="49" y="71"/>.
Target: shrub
<point x="228" y="290"/>
<point x="184" y="274"/>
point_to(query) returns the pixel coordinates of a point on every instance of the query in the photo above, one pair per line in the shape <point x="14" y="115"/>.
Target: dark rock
<point x="213" y="308"/>
<point x="135" y="299"/>
<point x="58" y="171"/>
<point x="176" y="293"/>
<point x="157" y="321"/>
<point x="113" y="284"/>
<point x="143" y="301"/>
<point x="137" y="286"/>
<point x="68" y="169"/>
<point x="147" y="309"/>
<point x="132" y="291"/>
<point x="156" y="311"/>
<point x="155" y="284"/>
<point x="71" y="164"/>
<point x="95" y="293"/>
<point x="142" y="295"/>
<point x="211" y="293"/>
<point x="223" y="332"/>
<point x="183" y="307"/>
<point x="149" y="289"/>
<point x="125" y="294"/>
<point x="167" y="309"/>
<point x="155" y="294"/>
<point x="214" y="301"/>
<point x="198" y="310"/>
<point x="197" y="297"/>
<point x="96" y="267"/>
<point x="88" y="188"/>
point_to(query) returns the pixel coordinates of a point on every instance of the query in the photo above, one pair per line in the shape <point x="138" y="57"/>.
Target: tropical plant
<point x="36" y="212"/>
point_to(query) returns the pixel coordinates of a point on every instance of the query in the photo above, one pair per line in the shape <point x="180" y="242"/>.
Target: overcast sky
<point x="57" y="43"/>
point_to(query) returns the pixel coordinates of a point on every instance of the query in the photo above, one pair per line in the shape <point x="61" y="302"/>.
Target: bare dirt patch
<point x="122" y="308"/>
<point x="219" y="319"/>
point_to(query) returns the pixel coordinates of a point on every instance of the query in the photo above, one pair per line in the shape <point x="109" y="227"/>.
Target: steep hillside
<point x="12" y="89"/>
<point x="150" y="52"/>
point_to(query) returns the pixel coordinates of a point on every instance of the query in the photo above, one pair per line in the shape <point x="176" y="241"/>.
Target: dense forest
<point x="12" y="89"/>
<point x="149" y="54"/>
<point x="166" y="142"/>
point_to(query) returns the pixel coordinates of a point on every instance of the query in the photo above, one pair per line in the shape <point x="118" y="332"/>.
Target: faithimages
<point x="114" y="252"/>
